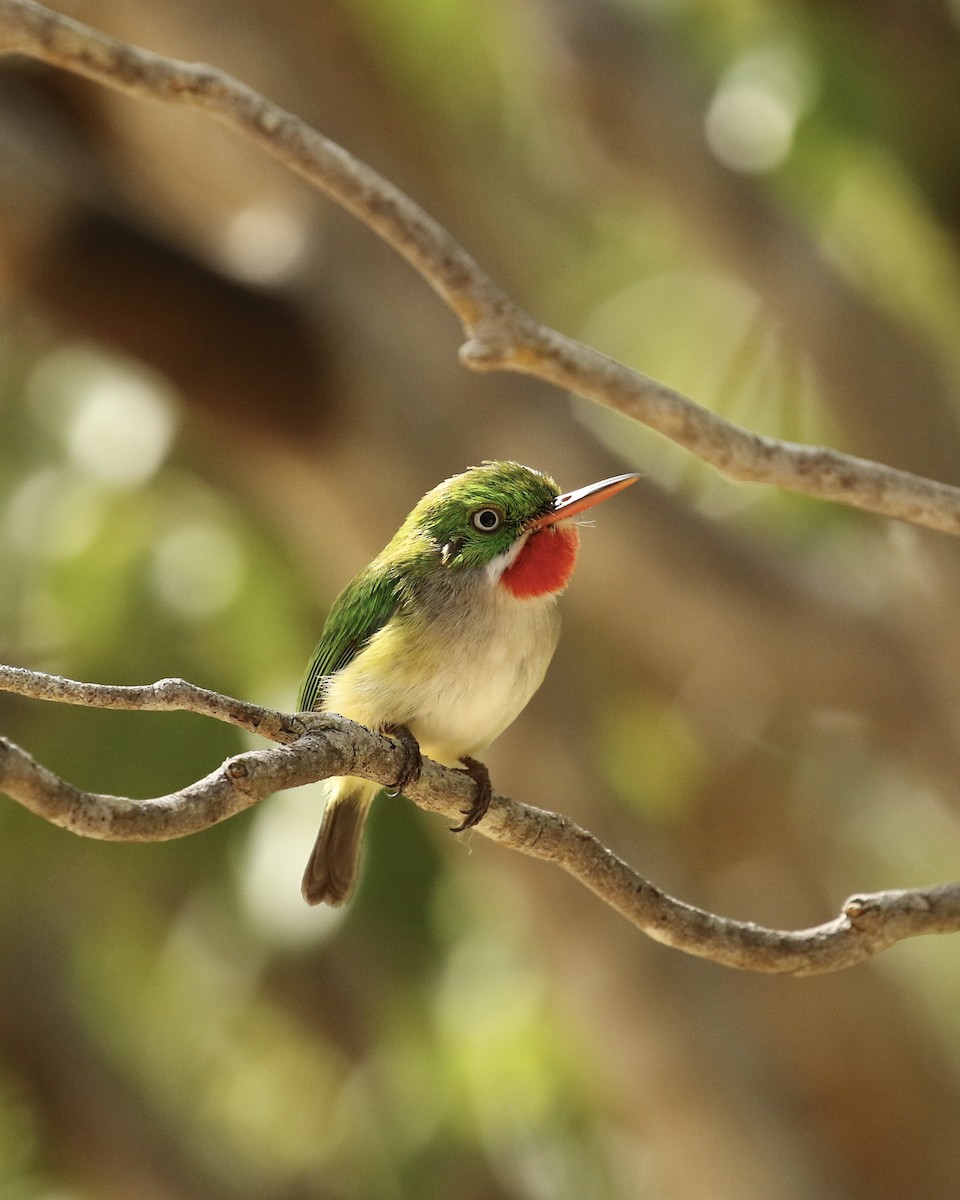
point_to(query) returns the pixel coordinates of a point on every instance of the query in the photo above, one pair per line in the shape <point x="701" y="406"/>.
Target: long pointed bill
<point x="571" y="503"/>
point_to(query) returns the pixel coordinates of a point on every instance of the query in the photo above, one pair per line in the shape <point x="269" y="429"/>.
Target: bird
<point x="443" y="638"/>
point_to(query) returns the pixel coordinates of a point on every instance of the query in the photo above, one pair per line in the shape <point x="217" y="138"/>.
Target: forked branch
<point x="315" y="746"/>
<point x="500" y="335"/>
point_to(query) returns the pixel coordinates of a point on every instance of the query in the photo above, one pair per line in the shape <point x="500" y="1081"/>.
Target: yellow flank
<point x="454" y="693"/>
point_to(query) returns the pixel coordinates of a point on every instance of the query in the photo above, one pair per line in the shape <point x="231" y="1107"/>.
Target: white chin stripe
<point x="496" y="566"/>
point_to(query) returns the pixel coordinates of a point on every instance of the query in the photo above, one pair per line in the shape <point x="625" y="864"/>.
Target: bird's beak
<point x="571" y="503"/>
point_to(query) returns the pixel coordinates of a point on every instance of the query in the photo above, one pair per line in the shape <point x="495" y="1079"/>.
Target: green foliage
<point x="173" y="1020"/>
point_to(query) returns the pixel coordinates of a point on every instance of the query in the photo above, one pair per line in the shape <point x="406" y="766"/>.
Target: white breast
<point x="457" y="674"/>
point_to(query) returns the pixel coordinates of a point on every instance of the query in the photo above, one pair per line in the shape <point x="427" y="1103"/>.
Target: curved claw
<point x="412" y="758"/>
<point x="481" y="801"/>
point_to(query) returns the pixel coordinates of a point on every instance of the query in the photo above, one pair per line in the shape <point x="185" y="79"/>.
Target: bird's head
<point x="510" y="521"/>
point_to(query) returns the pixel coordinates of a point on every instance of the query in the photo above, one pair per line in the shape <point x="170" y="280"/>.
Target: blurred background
<point x="219" y="397"/>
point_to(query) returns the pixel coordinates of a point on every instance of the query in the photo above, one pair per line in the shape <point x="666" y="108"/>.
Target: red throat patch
<point x="545" y="563"/>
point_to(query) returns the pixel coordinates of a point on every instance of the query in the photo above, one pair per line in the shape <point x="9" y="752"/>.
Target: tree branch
<point x="315" y="746"/>
<point x="500" y="335"/>
<point x="167" y="695"/>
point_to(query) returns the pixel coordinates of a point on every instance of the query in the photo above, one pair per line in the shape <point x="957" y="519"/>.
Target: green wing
<point x="363" y="607"/>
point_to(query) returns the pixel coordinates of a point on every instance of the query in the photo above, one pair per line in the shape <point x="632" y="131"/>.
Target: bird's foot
<point x="481" y="801"/>
<point x="412" y="758"/>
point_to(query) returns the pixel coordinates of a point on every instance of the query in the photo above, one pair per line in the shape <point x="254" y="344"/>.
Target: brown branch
<point x="500" y="335"/>
<point x="167" y="695"/>
<point x="325" y="745"/>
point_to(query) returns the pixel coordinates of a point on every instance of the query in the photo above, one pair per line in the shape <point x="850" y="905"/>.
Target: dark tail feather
<point x="335" y="859"/>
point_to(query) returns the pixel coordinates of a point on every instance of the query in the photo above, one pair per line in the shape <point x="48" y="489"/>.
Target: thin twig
<point x="167" y="695"/>
<point x="330" y="745"/>
<point x="500" y="335"/>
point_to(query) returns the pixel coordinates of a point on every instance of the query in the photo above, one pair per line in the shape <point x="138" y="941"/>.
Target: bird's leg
<point x="481" y="802"/>
<point x="412" y="758"/>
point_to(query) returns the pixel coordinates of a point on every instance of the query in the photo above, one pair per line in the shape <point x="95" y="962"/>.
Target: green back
<point x="364" y="606"/>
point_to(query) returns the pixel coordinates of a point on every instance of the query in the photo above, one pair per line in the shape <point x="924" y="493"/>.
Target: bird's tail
<point x="335" y="859"/>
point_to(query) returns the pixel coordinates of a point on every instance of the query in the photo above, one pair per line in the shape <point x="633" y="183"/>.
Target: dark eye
<point x="487" y="520"/>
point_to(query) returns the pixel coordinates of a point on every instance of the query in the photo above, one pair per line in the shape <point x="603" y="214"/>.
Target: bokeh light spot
<point x="197" y="569"/>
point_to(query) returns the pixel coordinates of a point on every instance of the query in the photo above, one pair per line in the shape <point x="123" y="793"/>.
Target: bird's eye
<point x="487" y="520"/>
